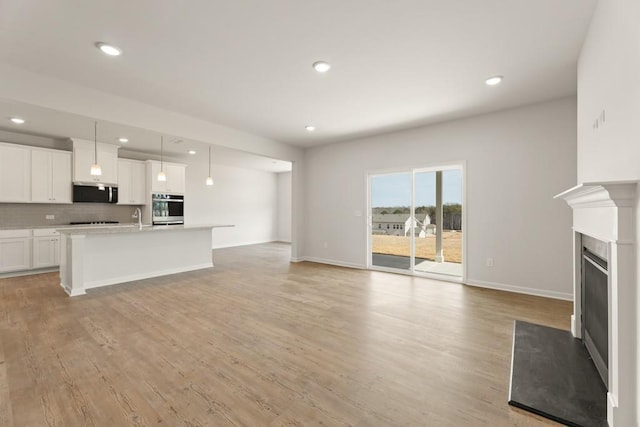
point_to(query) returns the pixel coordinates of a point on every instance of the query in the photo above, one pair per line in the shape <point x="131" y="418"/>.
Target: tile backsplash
<point x="33" y="214"/>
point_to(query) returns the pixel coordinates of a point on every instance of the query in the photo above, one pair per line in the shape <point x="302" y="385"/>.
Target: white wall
<point x="32" y="140"/>
<point x="609" y="80"/>
<point x="243" y="197"/>
<point x="517" y="160"/>
<point x="284" y="206"/>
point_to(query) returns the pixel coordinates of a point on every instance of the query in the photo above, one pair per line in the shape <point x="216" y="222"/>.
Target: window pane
<point x="390" y="210"/>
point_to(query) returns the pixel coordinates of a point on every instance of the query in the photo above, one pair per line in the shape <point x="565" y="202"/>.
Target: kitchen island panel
<point x="93" y="259"/>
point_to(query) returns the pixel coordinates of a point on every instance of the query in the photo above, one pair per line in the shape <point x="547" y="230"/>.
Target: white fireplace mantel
<point x="596" y="194"/>
<point x="605" y="211"/>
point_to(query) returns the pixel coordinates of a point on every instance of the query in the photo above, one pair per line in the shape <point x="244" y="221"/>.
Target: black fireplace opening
<point x="595" y="311"/>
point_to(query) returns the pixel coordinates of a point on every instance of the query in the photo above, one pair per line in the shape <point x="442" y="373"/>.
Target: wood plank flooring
<point x="257" y="341"/>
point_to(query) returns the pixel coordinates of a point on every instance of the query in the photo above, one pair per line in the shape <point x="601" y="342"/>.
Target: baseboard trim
<point x="142" y="276"/>
<point x="477" y="283"/>
<point x="28" y="272"/>
<point x="237" y="244"/>
<point x="331" y="262"/>
<point x="72" y="292"/>
<point x="520" y="290"/>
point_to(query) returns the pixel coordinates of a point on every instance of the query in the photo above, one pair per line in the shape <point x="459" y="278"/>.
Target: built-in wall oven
<point x="168" y="209"/>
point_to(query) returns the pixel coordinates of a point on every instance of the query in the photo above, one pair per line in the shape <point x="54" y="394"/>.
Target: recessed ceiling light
<point x="492" y="81"/>
<point x="310" y="128"/>
<point x="321" y="66"/>
<point x="123" y="140"/>
<point x="109" y="49"/>
<point x="17" y="120"/>
<point x="192" y="152"/>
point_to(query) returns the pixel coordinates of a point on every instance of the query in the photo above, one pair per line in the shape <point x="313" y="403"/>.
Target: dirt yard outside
<point x="425" y="247"/>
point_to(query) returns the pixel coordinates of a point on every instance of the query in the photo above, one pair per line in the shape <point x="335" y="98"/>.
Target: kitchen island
<point x="99" y="256"/>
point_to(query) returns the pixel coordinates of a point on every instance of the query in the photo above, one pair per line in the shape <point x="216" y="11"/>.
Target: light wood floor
<point x="257" y="341"/>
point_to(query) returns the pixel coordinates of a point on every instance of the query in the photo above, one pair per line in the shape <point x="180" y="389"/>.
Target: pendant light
<point x="209" y="179"/>
<point x="96" y="170"/>
<point x="161" y="175"/>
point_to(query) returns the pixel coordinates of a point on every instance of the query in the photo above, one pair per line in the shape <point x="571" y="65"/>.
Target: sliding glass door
<point x="416" y="221"/>
<point x="391" y="207"/>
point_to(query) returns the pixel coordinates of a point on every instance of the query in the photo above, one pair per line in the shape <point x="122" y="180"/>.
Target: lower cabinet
<point x="46" y="248"/>
<point x="15" y="250"/>
<point x="29" y="249"/>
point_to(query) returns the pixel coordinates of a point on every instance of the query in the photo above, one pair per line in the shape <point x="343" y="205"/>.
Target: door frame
<point x="368" y="226"/>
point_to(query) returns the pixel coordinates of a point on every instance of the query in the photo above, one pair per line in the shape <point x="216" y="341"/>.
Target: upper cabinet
<point x="175" y="172"/>
<point x="15" y="173"/>
<point x="50" y="176"/>
<point x="85" y="154"/>
<point x="131" y="182"/>
<point x="42" y="175"/>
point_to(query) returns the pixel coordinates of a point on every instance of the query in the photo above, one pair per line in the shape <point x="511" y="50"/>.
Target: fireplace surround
<point x="605" y="211"/>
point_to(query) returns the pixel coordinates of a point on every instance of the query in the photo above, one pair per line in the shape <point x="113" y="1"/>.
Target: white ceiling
<point x="247" y="64"/>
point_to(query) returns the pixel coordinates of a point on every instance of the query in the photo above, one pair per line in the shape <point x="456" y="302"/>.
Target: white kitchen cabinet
<point x="176" y="177"/>
<point x="15" y="250"/>
<point x="176" y="174"/>
<point x="15" y="173"/>
<point x="84" y="157"/>
<point x="132" y="182"/>
<point x="50" y="176"/>
<point x="46" y="248"/>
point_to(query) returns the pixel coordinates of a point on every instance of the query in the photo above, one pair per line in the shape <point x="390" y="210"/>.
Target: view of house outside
<point x="391" y="215"/>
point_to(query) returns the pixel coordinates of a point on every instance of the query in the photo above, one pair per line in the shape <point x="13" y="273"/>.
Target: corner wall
<point x="609" y="82"/>
<point x="243" y="197"/>
<point x="284" y="207"/>
<point x="517" y="160"/>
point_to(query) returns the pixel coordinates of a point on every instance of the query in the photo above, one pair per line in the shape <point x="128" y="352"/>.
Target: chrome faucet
<point x="138" y="214"/>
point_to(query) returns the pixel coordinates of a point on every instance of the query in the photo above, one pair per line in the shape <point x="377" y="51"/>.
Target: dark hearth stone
<point x="552" y="375"/>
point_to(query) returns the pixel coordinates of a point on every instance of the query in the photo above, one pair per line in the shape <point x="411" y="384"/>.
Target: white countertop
<point x="132" y="228"/>
<point x="60" y="226"/>
<point x="34" y="227"/>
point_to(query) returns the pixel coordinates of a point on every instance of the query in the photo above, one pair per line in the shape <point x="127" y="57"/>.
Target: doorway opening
<point x="416" y="221"/>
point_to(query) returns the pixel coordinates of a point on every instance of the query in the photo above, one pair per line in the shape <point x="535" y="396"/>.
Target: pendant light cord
<point x="95" y="142"/>
<point x="209" y="161"/>
<point x="161" y="153"/>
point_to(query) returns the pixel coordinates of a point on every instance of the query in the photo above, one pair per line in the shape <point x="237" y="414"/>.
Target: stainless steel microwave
<point x="95" y="194"/>
<point x="168" y="209"/>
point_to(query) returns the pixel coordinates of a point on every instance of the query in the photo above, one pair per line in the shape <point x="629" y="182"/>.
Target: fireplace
<point x="595" y="307"/>
<point x="604" y="275"/>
